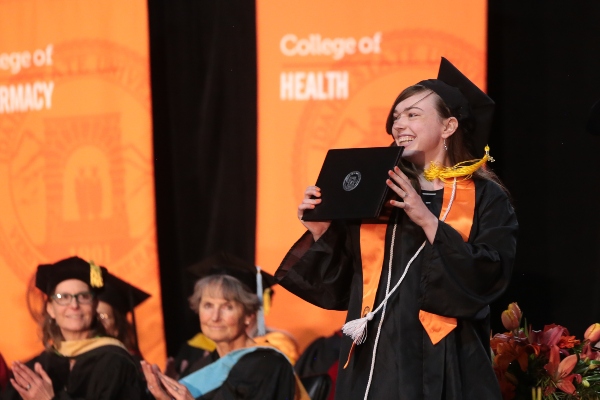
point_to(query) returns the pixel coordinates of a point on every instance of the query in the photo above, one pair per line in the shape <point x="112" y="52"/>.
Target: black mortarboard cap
<point x="121" y="295"/>
<point x="593" y="123"/>
<point x="464" y="99"/>
<point x="227" y="264"/>
<point x="50" y="275"/>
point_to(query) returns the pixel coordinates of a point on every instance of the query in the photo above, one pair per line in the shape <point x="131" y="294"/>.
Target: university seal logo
<point x="351" y="181"/>
<point x="76" y="178"/>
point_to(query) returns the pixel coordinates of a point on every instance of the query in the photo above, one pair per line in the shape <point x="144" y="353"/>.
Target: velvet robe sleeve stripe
<point x="472" y="273"/>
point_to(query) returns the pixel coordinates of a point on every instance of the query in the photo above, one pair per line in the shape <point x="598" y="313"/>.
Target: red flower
<point x="507" y="352"/>
<point x="560" y="371"/>
<point x="507" y="388"/>
<point x="552" y="334"/>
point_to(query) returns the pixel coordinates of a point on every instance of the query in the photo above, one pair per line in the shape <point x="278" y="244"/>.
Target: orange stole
<point x="371" y="252"/>
<point x="372" y="238"/>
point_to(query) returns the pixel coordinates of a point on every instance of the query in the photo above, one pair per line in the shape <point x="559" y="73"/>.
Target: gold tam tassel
<point x="267" y="301"/>
<point x="95" y="275"/>
<point x="464" y="169"/>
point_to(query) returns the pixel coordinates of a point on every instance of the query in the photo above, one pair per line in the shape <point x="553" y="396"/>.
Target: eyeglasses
<point x="64" y="299"/>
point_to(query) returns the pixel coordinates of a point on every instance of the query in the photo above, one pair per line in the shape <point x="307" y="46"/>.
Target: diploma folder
<point x="352" y="183"/>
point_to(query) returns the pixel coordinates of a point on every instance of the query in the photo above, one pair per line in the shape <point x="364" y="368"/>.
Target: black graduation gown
<point x="104" y="373"/>
<point x="264" y="374"/>
<point x="449" y="278"/>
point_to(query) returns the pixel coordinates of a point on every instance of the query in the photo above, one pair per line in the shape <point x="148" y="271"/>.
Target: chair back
<point x="317" y="386"/>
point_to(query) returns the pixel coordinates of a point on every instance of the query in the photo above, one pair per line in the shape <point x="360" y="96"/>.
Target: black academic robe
<point x="187" y="357"/>
<point x="450" y="277"/>
<point x="264" y="374"/>
<point x="104" y="373"/>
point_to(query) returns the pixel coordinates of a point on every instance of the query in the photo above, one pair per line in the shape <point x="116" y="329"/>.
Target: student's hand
<point x="32" y="385"/>
<point x="411" y="203"/>
<point x="312" y="198"/>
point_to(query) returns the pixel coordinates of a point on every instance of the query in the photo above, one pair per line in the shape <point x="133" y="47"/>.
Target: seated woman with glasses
<point x="79" y="362"/>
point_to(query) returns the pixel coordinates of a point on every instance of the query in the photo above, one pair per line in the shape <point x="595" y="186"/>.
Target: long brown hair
<point x="125" y="332"/>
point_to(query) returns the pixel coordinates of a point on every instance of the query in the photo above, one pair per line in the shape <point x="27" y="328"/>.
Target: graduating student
<point x="418" y="285"/>
<point x="79" y="362"/>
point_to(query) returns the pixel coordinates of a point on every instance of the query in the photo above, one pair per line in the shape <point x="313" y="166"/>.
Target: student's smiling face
<point x="420" y="129"/>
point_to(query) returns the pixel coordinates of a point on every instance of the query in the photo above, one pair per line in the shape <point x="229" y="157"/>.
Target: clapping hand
<point x="34" y="385"/>
<point x="162" y="387"/>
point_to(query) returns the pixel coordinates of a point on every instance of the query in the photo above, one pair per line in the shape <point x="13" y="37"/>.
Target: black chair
<point x="317" y="386"/>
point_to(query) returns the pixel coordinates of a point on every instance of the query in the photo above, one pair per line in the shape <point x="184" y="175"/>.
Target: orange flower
<point x="592" y="333"/>
<point x="567" y="342"/>
<point x="560" y="371"/>
<point x="507" y="388"/>
<point x="511" y="318"/>
<point x="508" y="352"/>
<point x="500" y="338"/>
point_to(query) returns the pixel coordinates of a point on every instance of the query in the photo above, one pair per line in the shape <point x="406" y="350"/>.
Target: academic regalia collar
<point x="200" y="341"/>
<point x="74" y="348"/>
<point x="213" y="375"/>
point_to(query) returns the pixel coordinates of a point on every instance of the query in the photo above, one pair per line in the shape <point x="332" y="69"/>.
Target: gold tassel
<point x="267" y="301"/>
<point x="464" y="169"/>
<point x="95" y="275"/>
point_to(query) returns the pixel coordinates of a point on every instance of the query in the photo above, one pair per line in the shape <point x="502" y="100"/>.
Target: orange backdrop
<point x="76" y="175"/>
<point x="328" y="75"/>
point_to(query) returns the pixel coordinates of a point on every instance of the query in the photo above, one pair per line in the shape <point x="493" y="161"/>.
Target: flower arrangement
<point x="545" y="365"/>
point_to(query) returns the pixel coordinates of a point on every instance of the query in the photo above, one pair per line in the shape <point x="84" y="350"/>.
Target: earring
<point x="445" y="147"/>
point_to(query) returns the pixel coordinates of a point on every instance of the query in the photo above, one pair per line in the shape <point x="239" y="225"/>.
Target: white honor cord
<point x="388" y="293"/>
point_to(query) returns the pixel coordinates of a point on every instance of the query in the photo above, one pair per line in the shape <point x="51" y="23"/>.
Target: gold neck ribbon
<point x="464" y="169"/>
